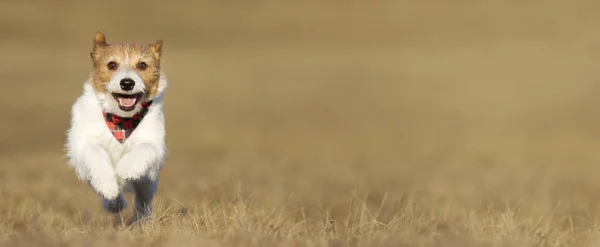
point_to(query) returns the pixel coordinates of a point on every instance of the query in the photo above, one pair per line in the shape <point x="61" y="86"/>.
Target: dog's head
<point x="125" y="74"/>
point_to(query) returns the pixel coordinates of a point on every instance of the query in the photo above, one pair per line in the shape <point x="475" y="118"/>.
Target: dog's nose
<point x="127" y="84"/>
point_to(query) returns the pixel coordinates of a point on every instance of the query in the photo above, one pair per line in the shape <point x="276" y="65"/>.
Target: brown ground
<point x="299" y="123"/>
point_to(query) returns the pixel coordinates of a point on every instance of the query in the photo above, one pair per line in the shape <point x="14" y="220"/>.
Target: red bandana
<point x="121" y="127"/>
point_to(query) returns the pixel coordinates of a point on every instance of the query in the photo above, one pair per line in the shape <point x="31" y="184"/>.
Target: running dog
<point x="116" y="141"/>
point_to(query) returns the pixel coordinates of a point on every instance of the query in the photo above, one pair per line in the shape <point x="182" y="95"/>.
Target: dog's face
<point x="125" y="74"/>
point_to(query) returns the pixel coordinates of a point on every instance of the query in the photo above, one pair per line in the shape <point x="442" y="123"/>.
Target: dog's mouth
<point x="127" y="102"/>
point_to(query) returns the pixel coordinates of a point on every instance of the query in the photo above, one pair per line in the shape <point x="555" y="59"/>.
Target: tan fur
<point x="126" y="54"/>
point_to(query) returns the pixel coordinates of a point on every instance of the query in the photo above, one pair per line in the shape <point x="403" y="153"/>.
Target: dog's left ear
<point x="157" y="48"/>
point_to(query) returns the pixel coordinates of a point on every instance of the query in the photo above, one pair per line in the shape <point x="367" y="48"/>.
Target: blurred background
<point x="312" y="102"/>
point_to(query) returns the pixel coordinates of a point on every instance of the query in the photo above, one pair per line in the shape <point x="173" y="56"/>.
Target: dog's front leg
<point x="139" y="167"/>
<point x="141" y="161"/>
<point x="101" y="176"/>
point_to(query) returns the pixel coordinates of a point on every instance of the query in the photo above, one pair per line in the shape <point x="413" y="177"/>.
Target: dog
<point x="116" y="139"/>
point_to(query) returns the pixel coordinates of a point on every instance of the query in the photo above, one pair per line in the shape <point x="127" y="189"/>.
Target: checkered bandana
<point x="121" y="127"/>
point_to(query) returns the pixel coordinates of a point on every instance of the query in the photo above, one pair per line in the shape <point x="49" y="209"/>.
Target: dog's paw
<point x="130" y="168"/>
<point x="107" y="189"/>
<point x="115" y="205"/>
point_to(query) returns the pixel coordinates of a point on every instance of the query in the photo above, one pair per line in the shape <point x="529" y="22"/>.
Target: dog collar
<point x="121" y="127"/>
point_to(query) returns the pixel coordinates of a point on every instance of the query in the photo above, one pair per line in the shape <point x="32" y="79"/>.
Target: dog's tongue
<point x="127" y="102"/>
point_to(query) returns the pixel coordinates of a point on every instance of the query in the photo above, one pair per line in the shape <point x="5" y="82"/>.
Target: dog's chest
<point x="115" y="150"/>
<point x="106" y="140"/>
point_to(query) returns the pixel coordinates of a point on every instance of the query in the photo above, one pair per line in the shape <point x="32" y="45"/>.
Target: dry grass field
<point x="320" y="123"/>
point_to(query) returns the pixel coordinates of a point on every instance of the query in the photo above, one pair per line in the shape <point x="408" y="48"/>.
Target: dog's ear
<point x="99" y="43"/>
<point x="156" y="48"/>
<point x="99" y="40"/>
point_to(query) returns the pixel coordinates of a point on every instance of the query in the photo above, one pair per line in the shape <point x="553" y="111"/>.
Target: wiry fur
<point x="109" y="166"/>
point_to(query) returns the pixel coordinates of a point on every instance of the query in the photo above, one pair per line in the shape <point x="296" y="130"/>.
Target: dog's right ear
<point x="99" y="40"/>
<point x="99" y="43"/>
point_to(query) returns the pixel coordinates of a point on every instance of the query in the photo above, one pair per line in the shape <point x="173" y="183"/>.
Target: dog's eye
<point x="112" y="65"/>
<point x="142" y="66"/>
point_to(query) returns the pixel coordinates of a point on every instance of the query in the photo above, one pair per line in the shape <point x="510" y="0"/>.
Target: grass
<point x="239" y="222"/>
<point x="389" y="123"/>
<point x="51" y="213"/>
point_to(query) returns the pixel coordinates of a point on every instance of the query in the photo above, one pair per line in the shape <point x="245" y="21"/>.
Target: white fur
<point x="98" y="158"/>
